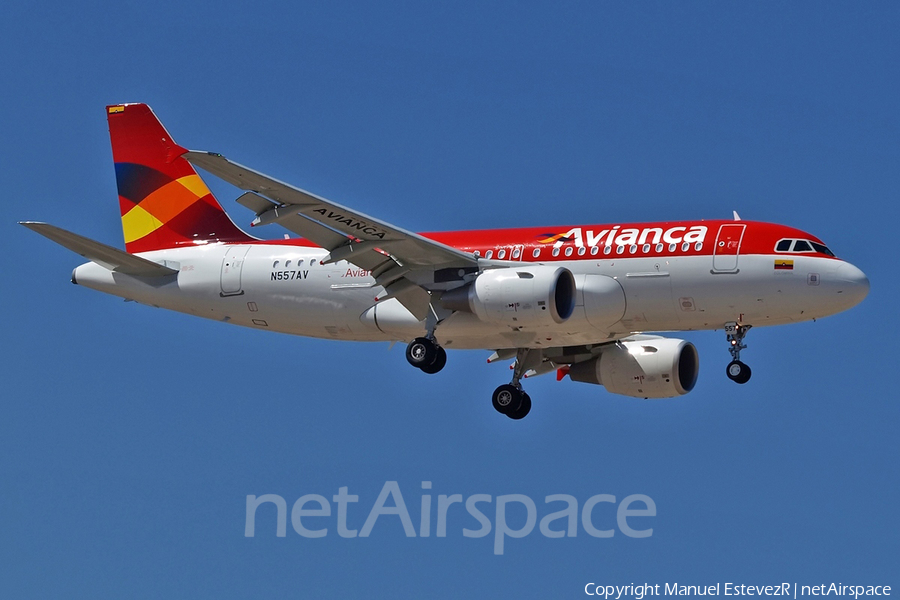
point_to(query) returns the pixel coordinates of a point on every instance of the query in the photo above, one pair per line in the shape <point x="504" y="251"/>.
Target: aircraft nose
<point x="853" y="283"/>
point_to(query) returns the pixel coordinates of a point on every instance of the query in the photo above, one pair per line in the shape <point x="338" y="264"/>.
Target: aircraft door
<point x="232" y="265"/>
<point x="727" y="249"/>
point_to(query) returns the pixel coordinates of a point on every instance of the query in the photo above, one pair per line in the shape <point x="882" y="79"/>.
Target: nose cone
<point x="852" y="284"/>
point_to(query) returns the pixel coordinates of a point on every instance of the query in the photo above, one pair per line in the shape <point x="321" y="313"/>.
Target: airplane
<point x="582" y="301"/>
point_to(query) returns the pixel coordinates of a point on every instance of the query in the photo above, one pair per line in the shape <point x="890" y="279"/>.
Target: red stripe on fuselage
<point x="758" y="238"/>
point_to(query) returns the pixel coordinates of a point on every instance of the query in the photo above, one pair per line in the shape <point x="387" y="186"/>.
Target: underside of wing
<point x="300" y="211"/>
<point x="403" y="262"/>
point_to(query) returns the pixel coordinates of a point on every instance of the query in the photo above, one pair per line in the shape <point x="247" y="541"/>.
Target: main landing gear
<point x="510" y="399"/>
<point x="425" y="354"/>
<point x="736" y="370"/>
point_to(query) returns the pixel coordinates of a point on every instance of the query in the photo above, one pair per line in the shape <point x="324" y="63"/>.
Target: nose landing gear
<point x="736" y="370"/>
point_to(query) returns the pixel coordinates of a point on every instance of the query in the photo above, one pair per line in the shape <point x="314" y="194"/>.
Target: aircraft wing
<point x="403" y="262"/>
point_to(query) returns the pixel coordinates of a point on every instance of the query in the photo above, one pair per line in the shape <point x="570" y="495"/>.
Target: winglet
<point x="105" y="256"/>
<point x="174" y="151"/>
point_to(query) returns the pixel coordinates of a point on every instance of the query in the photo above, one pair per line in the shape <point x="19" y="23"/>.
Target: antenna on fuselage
<point x="737" y="217"/>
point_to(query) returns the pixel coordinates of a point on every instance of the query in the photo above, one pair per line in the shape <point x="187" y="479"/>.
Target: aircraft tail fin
<point x="163" y="201"/>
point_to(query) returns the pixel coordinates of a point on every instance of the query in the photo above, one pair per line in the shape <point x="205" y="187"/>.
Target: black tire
<point x="745" y="377"/>
<point x="523" y="410"/>
<point x="507" y="399"/>
<point x="420" y="352"/>
<point x="440" y="359"/>
<point x="738" y="372"/>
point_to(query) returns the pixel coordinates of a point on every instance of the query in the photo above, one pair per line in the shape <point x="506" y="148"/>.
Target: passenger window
<point x="607" y="249"/>
<point x="477" y="253"/>
<point x="646" y="248"/>
<point x="685" y="247"/>
<point x="515" y="253"/>
<point x="489" y="254"/>
<point x="620" y="249"/>
<point x="501" y="254"/>
<point x="556" y="252"/>
<point x="594" y="250"/>
<point x="783" y="246"/>
<point x="672" y="247"/>
<point x="581" y="251"/>
<point x="536" y="253"/>
<point x="659" y="247"/>
<point x="569" y="251"/>
<point x="802" y="246"/>
<point x="275" y="264"/>
<point x="698" y="246"/>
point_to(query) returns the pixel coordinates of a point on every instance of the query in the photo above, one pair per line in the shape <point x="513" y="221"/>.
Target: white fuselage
<point x="286" y="288"/>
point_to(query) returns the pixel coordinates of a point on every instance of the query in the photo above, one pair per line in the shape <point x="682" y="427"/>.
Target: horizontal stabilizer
<point x="105" y="256"/>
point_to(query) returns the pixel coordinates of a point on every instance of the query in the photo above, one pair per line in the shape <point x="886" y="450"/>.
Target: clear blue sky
<point x="130" y="436"/>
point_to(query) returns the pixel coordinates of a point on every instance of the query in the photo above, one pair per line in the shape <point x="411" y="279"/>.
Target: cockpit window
<point x="788" y="245"/>
<point x="822" y="249"/>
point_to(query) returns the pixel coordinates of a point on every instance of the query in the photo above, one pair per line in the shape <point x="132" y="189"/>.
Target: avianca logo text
<point x="626" y="237"/>
<point x="350" y="222"/>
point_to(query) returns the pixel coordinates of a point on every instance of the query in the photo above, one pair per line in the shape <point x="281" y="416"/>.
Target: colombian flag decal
<point x="784" y="265"/>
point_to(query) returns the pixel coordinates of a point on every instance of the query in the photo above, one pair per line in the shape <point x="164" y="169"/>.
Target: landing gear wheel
<point x="440" y="360"/>
<point x="421" y="352"/>
<point x="523" y="409"/>
<point x="507" y="399"/>
<point x="738" y="372"/>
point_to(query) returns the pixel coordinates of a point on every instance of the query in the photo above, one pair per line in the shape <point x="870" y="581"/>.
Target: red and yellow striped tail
<point x="164" y="202"/>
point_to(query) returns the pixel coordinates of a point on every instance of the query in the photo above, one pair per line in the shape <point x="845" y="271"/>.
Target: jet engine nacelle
<point x="646" y="368"/>
<point x="527" y="296"/>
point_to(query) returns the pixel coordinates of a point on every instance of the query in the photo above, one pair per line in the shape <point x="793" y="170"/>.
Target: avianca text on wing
<point x="560" y="515"/>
